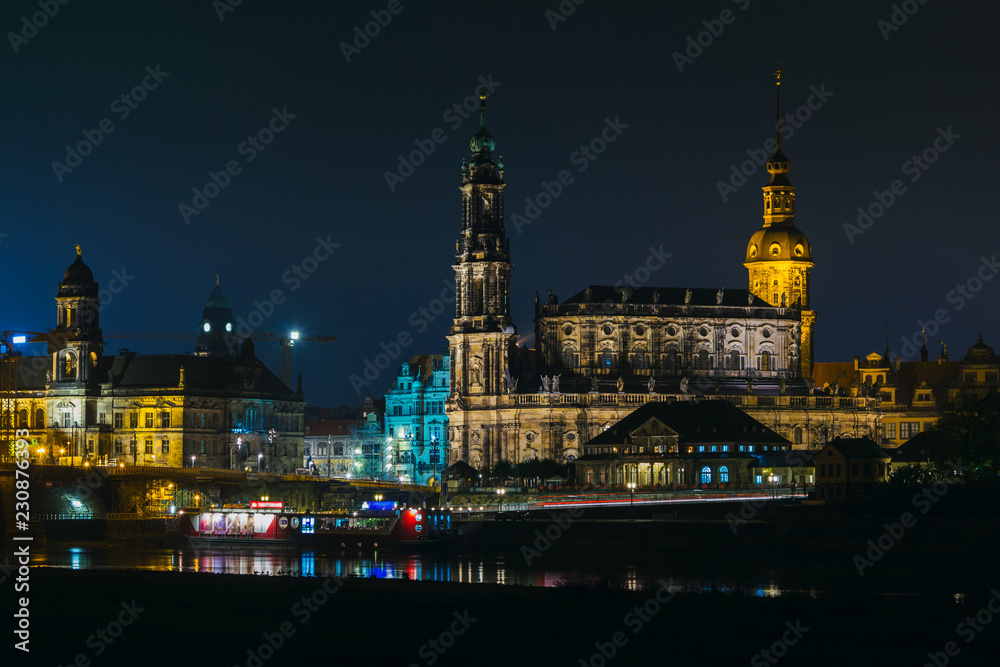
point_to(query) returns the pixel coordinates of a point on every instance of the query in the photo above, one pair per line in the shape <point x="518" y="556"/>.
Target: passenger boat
<point x="264" y="524"/>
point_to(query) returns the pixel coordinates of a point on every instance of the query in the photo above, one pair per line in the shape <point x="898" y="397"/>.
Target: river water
<point x="633" y="571"/>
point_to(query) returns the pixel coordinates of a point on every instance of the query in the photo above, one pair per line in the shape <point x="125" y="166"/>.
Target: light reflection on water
<point x="473" y="568"/>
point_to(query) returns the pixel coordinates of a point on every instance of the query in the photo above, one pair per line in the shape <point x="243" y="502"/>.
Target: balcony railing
<point x="746" y="401"/>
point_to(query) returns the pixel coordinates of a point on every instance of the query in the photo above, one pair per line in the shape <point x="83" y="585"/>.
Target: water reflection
<point x="469" y="568"/>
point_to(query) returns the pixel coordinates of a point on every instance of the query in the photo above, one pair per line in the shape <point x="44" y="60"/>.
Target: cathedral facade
<point x="606" y="350"/>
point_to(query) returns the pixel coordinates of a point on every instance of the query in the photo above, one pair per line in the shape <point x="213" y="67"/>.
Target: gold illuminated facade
<point x="606" y="351"/>
<point x="220" y="409"/>
<point x="778" y="255"/>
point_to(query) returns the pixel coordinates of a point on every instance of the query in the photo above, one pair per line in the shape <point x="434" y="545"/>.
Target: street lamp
<point x="631" y="494"/>
<point x="259" y="457"/>
<point x="237" y="451"/>
<point x="771" y="479"/>
<point x="192" y="460"/>
<point x="500" y="495"/>
<point x="270" y="443"/>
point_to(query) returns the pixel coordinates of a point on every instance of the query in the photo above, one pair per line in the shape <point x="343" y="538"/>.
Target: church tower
<point x="482" y="333"/>
<point x="778" y="255"/>
<point x="76" y="344"/>
<point x="215" y="331"/>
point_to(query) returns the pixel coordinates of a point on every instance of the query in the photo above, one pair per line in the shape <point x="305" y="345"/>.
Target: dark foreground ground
<point x="204" y="619"/>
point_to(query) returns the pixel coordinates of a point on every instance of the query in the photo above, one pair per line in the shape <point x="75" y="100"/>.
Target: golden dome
<point x="779" y="243"/>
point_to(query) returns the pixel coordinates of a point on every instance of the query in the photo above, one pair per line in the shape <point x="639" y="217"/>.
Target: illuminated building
<point x="606" y="351"/>
<point x="416" y="425"/>
<point x="703" y="442"/>
<point x="778" y="255"/>
<point x="219" y="409"/>
<point x="914" y="393"/>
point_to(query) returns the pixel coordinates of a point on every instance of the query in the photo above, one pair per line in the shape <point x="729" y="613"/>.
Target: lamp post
<point x="771" y="479"/>
<point x="235" y="452"/>
<point x="500" y="495"/>
<point x="270" y="446"/>
<point x="192" y="460"/>
<point x="259" y="457"/>
<point x="434" y="459"/>
<point x="631" y="494"/>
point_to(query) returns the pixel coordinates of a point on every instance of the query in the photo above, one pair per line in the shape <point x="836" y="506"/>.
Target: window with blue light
<point x="724" y="474"/>
<point x="706" y="475"/>
<point x="308" y="525"/>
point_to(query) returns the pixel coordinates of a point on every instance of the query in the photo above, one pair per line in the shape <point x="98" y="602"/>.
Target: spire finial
<point x="777" y="92"/>
<point x="216" y="279"/>
<point x="79" y="253"/>
<point x="482" y="107"/>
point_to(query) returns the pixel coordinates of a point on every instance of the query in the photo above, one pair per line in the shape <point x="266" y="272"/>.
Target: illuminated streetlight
<point x="500" y="495"/>
<point x="631" y="494"/>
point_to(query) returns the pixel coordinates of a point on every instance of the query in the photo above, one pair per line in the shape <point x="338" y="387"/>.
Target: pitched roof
<point x="668" y="296"/>
<point x="918" y="449"/>
<point x="201" y="374"/>
<point x="459" y="470"/>
<point x="828" y="372"/>
<point x="858" y="448"/>
<point x="695" y="421"/>
<point x="789" y="458"/>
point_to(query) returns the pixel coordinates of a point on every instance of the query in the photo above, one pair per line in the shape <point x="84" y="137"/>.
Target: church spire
<point x="482" y="141"/>
<point x="777" y="122"/>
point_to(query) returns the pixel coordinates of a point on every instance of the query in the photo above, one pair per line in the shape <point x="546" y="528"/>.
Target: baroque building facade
<point x="219" y="408"/>
<point x="606" y="351"/>
<point x="416" y="426"/>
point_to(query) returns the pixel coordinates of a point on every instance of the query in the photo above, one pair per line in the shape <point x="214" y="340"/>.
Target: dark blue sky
<point x="323" y="175"/>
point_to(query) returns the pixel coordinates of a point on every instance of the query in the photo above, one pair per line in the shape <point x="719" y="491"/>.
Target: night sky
<point x="344" y="124"/>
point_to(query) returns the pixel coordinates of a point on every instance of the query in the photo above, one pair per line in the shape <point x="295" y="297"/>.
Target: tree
<point x="970" y="436"/>
<point x="502" y="471"/>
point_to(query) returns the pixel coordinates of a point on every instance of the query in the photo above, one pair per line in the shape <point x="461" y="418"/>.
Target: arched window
<point x="22" y="419"/>
<point x="701" y="361"/>
<point x="765" y="361"/>
<point x="639" y="360"/>
<point x="39" y="418"/>
<point x="706" y="475"/>
<point x="590" y="475"/>
<point x="671" y="362"/>
<point x="734" y="360"/>
<point x="723" y="475"/>
<point x="570" y="358"/>
<point x="607" y="358"/>
<point x="67" y="367"/>
<point x="798" y="435"/>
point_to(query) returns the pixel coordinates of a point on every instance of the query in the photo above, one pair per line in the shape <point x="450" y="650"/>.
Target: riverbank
<point x="226" y="620"/>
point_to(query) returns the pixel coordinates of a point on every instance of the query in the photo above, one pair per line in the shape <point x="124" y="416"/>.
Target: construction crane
<point x="286" y="339"/>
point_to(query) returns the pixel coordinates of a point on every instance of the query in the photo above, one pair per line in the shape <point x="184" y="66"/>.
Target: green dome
<point x="482" y="140"/>
<point x="218" y="299"/>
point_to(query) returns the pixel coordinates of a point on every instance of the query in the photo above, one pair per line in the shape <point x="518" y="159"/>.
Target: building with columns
<point x="606" y="351"/>
<point x="219" y="407"/>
